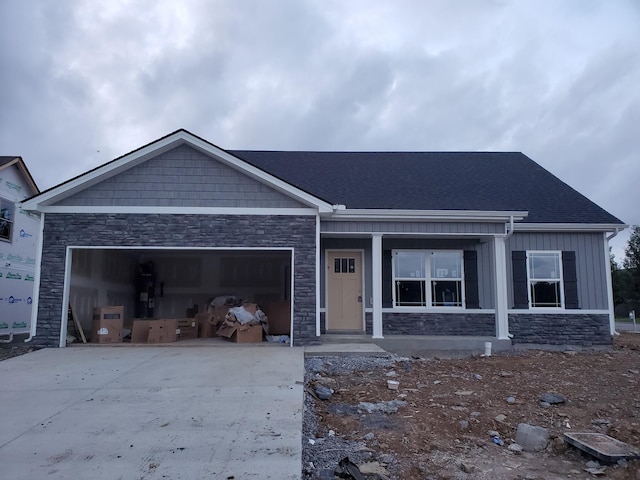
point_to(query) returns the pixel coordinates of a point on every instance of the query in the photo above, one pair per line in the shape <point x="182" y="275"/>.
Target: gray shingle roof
<point x="490" y="181"/>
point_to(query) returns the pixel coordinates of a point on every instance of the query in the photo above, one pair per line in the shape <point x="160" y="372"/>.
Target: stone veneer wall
<point x="368" y="322"/>
<point x="157" y="230"/>
<point x="560" y="329"/>
<point x="469" y="324"/>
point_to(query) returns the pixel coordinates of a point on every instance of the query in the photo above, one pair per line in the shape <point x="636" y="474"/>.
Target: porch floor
<point x="406" y="345"/>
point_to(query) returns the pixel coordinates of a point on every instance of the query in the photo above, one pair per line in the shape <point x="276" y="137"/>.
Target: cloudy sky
<point x="85" y="81"/>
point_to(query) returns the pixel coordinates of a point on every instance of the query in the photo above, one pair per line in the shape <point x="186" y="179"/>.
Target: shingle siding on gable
<point x="590" y="262"/>
<point x="182" y="177"/>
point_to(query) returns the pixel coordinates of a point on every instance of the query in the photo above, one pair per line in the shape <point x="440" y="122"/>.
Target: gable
<point x="181" y="177"/>
<point x="15" y="180"/>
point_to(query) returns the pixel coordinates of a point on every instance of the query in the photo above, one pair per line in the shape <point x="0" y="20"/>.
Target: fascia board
<point x="569" y="227"/>
<point x="427" y="215"/>
<point x="160" y="146"/>
<point x="168" y="210"/>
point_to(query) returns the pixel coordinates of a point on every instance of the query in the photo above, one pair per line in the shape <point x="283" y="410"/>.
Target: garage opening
<point x="186" y="286"/>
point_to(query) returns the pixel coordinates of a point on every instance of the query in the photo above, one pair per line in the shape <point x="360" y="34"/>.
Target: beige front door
<point x="344" y="290"/>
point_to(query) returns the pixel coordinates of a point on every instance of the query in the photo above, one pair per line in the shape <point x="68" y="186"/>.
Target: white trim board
<point x="68" y="271"/>
<point x="427" y="215"/>
<point x="120" y="247"/>
<point x="568" y="227"/>
<point x="556" y="311"/>
<point x="328" y="234"/>
<point x="179" y="210"/>
<point x="439" y="310"/>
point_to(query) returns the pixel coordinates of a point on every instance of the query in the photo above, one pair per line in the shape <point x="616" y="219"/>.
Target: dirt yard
<point x="454" y="408"/>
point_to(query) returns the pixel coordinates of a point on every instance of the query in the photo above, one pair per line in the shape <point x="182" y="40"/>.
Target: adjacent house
<point x="19" y="232"/>
<point x="375" y="243"/>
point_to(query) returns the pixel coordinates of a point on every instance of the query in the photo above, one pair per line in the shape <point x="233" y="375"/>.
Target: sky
<point x="86" y="81"/>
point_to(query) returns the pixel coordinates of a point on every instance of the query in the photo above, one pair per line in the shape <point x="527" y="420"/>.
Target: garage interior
<point x="174" y="283"/>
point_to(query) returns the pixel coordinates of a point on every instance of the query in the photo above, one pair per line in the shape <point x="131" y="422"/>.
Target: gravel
<point x="320" y="450"/>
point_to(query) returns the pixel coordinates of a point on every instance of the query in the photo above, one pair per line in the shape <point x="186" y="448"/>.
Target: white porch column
<point x="501" y="303"/>
<point x="607" y="268"/>
<point x="376" y="284"/>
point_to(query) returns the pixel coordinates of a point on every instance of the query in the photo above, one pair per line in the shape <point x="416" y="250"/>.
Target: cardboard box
<point x="219" y="313"/>
<point x="187" y="328"/>
<point x="107" y="324"/>
<point x="154" y="331"/>
<point x="278" y="318"/>
<point x="171" y="326"/>
<point x="140" y="331"/>
<point x="241" y="333"/>
<point x="157" y="331"/>
<point x="206" y="325"/>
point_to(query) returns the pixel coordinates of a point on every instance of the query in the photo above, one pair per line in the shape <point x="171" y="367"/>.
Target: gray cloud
<point x="84" y="81"/>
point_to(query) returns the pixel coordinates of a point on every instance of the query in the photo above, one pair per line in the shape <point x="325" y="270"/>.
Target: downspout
<point x="615" y="233"/>
<point x="36" y="282"/>
<point x="510" y="232"/>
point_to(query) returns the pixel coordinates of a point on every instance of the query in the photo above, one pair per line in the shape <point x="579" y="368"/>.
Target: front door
<point x="344" y="291"/>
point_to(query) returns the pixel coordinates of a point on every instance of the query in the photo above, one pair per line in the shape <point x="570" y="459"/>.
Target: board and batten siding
<point x="181" y="177"/>
<point x="332" y="226"/>
<point x="591" y="264"/>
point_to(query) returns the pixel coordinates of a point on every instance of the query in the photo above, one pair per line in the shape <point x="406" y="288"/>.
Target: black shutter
<point x="472" y="300"/>
<point x="570" y="280"/>
<point x="387" y="280"/>
<point x="519" y="264"/>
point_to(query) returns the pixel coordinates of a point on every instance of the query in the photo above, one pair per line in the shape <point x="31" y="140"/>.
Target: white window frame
<point x="558" y="279"/>
<point x="10" y="220"/>
<point x="428" y="280"/>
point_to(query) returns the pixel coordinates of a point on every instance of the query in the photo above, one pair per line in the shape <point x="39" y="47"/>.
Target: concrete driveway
<point x="149" y="412"/>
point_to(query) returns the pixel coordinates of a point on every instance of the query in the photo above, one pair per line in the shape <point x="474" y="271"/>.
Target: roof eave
<point x="570" y="227"/>
<point x="341" y="213"/>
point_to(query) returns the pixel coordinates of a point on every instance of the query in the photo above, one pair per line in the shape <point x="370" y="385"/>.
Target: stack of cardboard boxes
<point x="108" y="323"/>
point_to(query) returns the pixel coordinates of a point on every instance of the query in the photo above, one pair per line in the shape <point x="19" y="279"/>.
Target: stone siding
<point x="469" y="324"/>
<point x="560" y="329"/>
<point x="179" y="231"/>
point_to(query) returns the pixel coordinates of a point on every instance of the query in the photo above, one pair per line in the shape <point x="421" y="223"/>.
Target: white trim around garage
<point x="68" y="262"/>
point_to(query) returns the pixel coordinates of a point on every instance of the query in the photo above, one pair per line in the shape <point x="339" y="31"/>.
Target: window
<point x="344" y="265"/>
<point x="7" y="210"/>
<point x="544" y="274"/>
<point x="427" y="278"/>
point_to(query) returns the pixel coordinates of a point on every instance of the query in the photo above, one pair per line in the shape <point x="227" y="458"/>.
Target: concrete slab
<point x="628" y="327"/>
<point x="440" y="345"/>
<point x="152" y="413"/>
<point x="366" y="349"/>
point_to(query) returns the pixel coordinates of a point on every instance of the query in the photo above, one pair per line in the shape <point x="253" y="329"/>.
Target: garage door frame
<point x="69" y="259"/>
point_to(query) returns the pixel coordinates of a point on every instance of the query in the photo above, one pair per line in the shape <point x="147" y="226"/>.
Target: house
<point x="19" y="232"/>
<point x="379" y="243"/>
